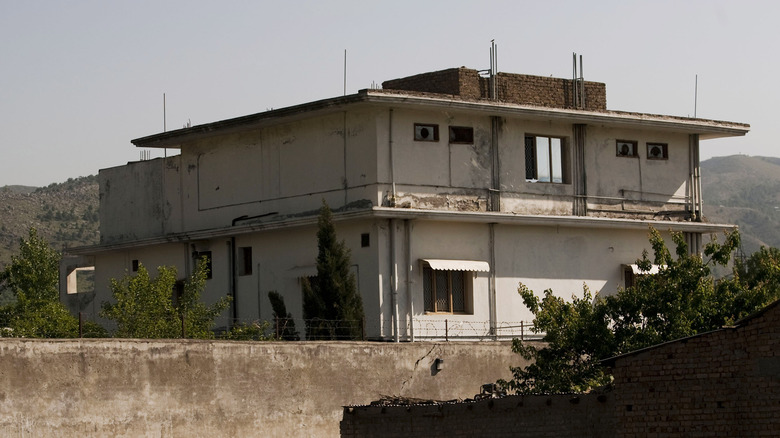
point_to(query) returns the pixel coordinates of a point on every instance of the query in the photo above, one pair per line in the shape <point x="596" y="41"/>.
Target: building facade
<point x="449" y="189"/>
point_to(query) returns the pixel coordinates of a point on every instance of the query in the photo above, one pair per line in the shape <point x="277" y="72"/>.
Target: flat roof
<point x="401" y="99"/>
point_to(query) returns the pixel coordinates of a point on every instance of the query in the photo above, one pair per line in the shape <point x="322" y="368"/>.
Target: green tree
<point x="680" y="300"/>
<point x="332" y="306"/>
<point x="283" y="320"/>
<point x="32" y="277"/>
<point x="148" y="308"/>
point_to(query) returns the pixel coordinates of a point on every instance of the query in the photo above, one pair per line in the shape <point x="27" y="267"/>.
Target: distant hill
<point x="65" y="214"/>
<point x="744" y="190"/>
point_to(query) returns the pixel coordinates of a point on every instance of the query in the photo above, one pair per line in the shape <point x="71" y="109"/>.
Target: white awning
<point x="457" y="265"/>
<point x="638" y="271"/>
<point x="303" y="271"/>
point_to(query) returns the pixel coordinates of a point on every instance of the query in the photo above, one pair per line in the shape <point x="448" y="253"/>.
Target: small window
<point x="446" y="291"/>
<point x="545" y="160"/>
<point x="625" y="148"/>
<point x="657" y="151"/>
<point x="426" y="132"/>
<point x="205" y="256"/>
<point x="245" y="260"/>
<point x="134" y="265"/>
<point x="365" y="240"/>
<point x="461" y="134"/>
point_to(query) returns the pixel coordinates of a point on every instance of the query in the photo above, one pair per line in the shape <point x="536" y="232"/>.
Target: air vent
<point x="426" y="132"/>
<point x="626" y="148"/>
<point x="657" y="151"/>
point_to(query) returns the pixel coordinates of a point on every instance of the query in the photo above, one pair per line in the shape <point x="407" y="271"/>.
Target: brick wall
<point x="510" y="87"/>
<point x="512" y="416"/>
<point x="723" y="383"/>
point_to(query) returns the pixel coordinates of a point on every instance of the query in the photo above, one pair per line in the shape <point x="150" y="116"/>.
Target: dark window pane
<point x="458" y="291"/>
<point x="442" y="294"/>
<point x="428" y="289"/>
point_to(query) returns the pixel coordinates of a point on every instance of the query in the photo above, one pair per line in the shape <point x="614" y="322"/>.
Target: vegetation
<point x="332" y="306"/>
<point x="283" y="320"/>
<point x="65" y="214"/>
<point x="147" y="308"/>
<point x="253" y="331"/>
<point x="681" y="300"/>
<point x="32" y="279"/>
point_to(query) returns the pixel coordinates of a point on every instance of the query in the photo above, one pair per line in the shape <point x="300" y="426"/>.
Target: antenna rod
<point x="582" y="85"/>
<point x="695" y="96"/>
<point x="345" y="72"/>
<point x="165" y="123"/>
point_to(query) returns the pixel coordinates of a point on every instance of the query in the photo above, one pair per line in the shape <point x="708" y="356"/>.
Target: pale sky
<point x="80" y="79"/>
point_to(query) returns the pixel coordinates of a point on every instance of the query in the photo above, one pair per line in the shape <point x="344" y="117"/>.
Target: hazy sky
<point x="80" y="79"/>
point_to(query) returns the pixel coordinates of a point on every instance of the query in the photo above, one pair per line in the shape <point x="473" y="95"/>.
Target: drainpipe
<point x="233" y="280"/>
<point x="492" y="283"/>
<point x="408" y="248"/>
<point x="392" y="162"/>
<point x="494" y="199"/>
<point x="394" y="281"/>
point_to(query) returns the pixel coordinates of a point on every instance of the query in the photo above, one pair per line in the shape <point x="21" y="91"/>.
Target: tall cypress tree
<point x="332" y="306"/>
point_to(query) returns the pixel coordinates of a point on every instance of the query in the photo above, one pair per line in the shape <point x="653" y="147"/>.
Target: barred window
<point x="445" y="291"/>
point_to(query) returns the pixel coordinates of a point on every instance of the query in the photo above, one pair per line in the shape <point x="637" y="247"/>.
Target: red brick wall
<point x="512" y="416"/>
<point x="726" y="383"/>
<point x="510" y="87"/>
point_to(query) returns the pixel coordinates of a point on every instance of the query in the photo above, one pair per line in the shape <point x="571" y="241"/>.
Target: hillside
<point x="65" y="214"/>
<point x="744" y="190"/>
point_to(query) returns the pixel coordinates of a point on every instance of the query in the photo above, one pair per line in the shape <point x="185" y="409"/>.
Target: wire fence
<point x="291" y="329"/>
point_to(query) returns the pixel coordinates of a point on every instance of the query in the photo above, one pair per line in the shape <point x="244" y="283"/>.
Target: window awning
<point x="303" y="271"/>
<point x="636" y="270"/>
<point x="457" y="265"/>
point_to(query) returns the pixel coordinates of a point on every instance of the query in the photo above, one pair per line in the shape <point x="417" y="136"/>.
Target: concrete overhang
<point x="275" y="223"/>
<point x="706" y="129"/>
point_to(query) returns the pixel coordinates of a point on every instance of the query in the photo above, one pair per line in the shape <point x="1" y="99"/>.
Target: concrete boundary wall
<point x="68" y="388"/>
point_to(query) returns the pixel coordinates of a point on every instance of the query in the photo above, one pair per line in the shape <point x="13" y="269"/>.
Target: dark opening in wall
<point x="461" y="134"/>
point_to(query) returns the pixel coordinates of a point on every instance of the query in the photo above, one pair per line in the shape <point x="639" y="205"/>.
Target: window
<point x="134" y="265"/>
<point x="245" y="260"/>
<point x="657" y="151"/>
<point x="461" y="134"/>
<point x="445" y="291"/>
<point x="625" y="148"/>
<point x="365" y="240"/>
<point x="424" y="132"/>
<point x="204" y="256"/>
<point x="632" y="272"/>
<point x="545" y="159"/>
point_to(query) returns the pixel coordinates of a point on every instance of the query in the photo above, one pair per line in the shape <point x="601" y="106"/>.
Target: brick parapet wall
<point x="512" y="88"/>
<point x="725" y="383"/>
<point x="511" y="416"/>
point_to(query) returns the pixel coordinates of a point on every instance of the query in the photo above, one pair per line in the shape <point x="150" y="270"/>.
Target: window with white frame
<point x="545" y="159"/>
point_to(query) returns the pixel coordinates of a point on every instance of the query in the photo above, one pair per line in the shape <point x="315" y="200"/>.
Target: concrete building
<point x="449" y="188"/>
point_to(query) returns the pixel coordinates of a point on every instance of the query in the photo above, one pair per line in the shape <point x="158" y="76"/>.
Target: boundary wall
<point x="192" y="388"/>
